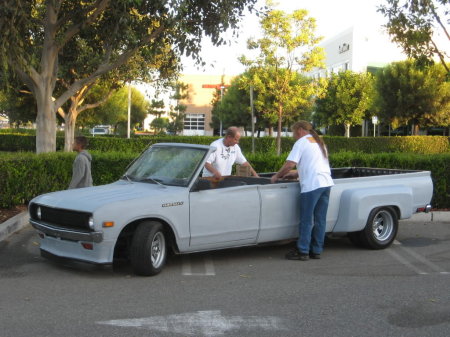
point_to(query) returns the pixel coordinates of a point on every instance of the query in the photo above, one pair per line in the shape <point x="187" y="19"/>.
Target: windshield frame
<point x="156" y="179"/>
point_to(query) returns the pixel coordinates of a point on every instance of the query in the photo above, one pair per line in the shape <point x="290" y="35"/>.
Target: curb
<point x="430" y="217"/>
<point x="14" y="224"/>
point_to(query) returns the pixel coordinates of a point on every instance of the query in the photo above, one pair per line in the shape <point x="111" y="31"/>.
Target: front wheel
<point x="148" y="251"/>
<point x="381" y="228"/>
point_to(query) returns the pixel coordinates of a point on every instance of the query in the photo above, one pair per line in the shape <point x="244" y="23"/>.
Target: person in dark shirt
<point x="81" y="174"/>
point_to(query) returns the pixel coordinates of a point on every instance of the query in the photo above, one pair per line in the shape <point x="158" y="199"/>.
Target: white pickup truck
<point x="162" y="203"/>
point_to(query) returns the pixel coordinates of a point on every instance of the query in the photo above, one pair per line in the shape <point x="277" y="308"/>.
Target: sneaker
<point x="294" y="254"/>
<point x="314" y="256"/>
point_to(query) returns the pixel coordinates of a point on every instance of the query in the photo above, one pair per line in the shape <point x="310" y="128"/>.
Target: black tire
<point x="381" y="228"/>
<point x="148" y="252"/>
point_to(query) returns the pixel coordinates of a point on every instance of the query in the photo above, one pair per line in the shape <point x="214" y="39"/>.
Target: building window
<point x="194" y="122"/>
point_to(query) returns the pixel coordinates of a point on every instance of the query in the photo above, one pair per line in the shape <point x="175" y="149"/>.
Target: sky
<point x="332" y="17"/>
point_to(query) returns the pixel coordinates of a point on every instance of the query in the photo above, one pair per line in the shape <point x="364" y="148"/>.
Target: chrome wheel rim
<point x="158" y="249"/>
<point x="382" y="225"/>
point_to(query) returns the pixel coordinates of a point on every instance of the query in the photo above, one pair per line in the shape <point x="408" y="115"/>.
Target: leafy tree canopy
<point x="347" y="98"/>
<point x="35" y="35"/>
<point x="288" y="45"/>
<point x="115" y="111"/>
<point x="414" y="25"/>
<point x="408" y="93"/>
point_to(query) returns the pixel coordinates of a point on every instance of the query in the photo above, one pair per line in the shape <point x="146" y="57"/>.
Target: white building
<point x="358" y="49"/>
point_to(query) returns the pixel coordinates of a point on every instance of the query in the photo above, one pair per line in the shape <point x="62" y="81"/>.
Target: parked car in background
<point x="100" y="130"/>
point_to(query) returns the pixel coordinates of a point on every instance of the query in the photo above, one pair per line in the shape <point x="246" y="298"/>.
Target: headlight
<point x="91" y="223"/>
<point x="38" y="212"/>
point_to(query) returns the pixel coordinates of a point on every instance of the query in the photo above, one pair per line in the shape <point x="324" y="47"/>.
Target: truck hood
<point x="89" y="199"/>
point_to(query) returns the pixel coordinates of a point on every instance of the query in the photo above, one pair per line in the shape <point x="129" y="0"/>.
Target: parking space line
<point x="405" y="262"/>
<point x="209" y="266"/>
<point x="187" y="267"/>
<point x="422" y="259"/>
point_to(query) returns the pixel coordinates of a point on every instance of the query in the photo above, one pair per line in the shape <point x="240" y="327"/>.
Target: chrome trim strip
<point x="67" y="233"/>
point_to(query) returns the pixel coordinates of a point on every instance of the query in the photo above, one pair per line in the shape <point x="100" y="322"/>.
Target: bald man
<point x="228" y="152"/>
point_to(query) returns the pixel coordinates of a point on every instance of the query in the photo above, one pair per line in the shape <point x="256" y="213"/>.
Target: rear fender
<point x="356" y="204"/>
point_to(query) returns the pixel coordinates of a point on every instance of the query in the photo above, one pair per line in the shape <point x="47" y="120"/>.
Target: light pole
<point x="374" y="122"/>
<point x="129" y="111"/>
<point x="253" y="120"/>
<point x="221" y="98"/>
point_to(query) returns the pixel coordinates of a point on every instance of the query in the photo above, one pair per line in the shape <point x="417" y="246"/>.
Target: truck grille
<point x="61" y="217"/>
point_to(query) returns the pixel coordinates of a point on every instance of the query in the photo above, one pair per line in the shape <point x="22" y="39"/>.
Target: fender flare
<point x="356" y="204"/>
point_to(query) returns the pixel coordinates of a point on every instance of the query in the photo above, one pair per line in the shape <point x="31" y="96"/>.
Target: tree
<point x="288" y="45"/>
<point x="233" y="108"/>
<point x="177" y="111"/>
<point x="160" y="69"/>
<point x="413" y="25"/>
<point x="35" y="33"/>
<point x="160" y="124"/>
<point x="346" y="100"/>
<point x="408" y="93"/>
<point x="115" y="110"/>
<point x="18" y="105"/>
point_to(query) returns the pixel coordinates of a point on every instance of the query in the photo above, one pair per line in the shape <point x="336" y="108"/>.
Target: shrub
<point x="26" y="175"/>
<point x="412" y="144"/>
<point x="438" y="164"/>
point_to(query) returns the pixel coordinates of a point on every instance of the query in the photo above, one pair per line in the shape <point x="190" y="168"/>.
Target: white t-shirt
<point x="223" y="158"/>
<point x="313" y="168"/>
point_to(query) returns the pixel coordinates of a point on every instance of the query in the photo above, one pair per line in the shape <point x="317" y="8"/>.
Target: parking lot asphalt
<point x="248" y="292"/>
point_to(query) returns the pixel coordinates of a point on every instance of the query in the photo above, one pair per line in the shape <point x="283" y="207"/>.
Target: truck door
<point x="224" y="217"/>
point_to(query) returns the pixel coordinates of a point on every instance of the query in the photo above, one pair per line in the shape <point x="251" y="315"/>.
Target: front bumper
<point x="67" y="234"/>
<point x="69" y="244"/>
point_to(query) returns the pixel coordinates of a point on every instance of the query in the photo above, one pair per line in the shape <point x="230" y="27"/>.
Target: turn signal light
<point x="108" y="223"/>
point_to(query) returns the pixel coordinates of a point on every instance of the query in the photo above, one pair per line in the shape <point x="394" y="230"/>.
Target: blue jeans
<point x="312" y="226"/>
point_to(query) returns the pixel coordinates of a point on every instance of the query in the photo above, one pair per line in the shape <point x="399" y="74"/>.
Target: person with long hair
<point x="309" y="154"/>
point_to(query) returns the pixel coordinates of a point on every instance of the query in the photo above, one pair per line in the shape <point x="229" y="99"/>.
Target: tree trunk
<point x="347" y="130"/>
<point x="45" y="124"/>
<point x="280" y="123"/>
<point x="69" y="130"/>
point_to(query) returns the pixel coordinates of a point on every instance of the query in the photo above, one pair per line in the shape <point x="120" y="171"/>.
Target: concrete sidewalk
<point x="430" y="217"/>
<point x="13" y="225"/>
<point x="21" y="220"/>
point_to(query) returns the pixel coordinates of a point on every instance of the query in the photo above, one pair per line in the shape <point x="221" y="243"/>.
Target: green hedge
<point x="26" y="175"/>
<point x="410" y="144"/>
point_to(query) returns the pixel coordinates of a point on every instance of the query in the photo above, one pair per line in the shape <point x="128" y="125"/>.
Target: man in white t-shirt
<point x="310" y="156"/>
<point x="228" y="152"/>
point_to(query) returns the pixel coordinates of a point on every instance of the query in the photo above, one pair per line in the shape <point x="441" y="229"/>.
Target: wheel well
<point x="123" y="242"/>
<point x="396" y="209"/>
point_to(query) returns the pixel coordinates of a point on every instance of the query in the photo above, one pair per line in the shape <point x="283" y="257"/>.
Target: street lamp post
<point x="374" y="122"/>
<point x="253" y="120"/>
<point x="129" y="111"/>
<point x="221" y="98"/>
